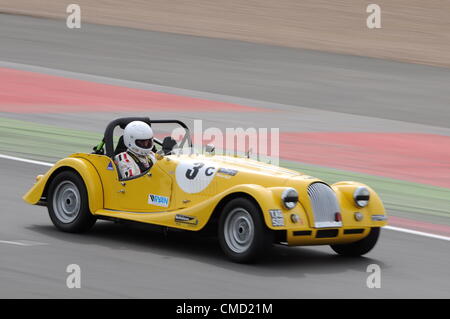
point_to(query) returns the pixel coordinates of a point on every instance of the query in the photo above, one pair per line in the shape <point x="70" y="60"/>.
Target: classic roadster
<point x="249" y="205"/>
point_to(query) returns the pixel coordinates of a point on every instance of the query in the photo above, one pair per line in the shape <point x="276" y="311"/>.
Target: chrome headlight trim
<point x="361" y="196"/>
<point x="289" y="198"/>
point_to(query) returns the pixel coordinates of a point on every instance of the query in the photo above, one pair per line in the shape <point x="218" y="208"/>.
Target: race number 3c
<point x="193" y="177"/>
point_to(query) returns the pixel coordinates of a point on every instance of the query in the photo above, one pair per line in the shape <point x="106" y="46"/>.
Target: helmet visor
<point x="147" y="143"/>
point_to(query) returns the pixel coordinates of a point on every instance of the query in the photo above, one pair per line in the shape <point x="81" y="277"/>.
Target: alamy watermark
<point x="373" y="21"/>
<point x="73" y="20"/>
<point x="73" y="280"/>
<point x="261" y="144"/>
<point x="374" y="279"/>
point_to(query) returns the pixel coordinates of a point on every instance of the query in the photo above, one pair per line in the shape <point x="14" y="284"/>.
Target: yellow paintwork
<point x="110" y="197"/>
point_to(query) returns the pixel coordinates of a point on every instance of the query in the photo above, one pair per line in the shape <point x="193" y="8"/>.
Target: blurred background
<point x="351" y="103"/>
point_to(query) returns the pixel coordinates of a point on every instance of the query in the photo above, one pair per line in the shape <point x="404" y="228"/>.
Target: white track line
<point x="12" y="243"/>
<point x="403" y="230"/>
<point x="19" y="159"/>
<point x="415" y="232"/>
<point x="22" y="243"/>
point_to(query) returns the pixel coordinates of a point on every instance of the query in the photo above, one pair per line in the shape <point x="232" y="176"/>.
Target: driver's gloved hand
<point x="168" y="144"/>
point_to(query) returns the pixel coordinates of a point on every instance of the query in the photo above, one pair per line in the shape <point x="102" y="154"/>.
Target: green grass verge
<point x="401" y="198"/>
<point x="43" y="142"/>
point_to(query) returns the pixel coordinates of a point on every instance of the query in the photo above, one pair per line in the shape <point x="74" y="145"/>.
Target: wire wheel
<point x="239" y="230"/>
<point x="66" y="202"/>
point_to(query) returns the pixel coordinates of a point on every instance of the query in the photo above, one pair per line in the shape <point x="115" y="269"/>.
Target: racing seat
<point x="120" y="147"/>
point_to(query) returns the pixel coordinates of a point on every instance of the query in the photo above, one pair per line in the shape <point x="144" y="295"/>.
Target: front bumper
<point x="326" y="236"/>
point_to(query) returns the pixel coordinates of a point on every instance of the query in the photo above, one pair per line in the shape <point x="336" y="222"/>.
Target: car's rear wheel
<point x="359" y="247"/>
<point x="243" y="235"/>
<point x="68" y="205"/>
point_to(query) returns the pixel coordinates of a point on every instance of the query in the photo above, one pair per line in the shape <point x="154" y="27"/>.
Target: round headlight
<point x="361" y="196"/>
<point x="289" y="198"/>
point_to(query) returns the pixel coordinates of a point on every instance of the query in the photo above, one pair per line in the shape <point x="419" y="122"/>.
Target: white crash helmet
<point x="138" y="138"/>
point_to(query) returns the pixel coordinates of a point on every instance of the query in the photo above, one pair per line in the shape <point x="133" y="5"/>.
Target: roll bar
<point x="123" y="122"/>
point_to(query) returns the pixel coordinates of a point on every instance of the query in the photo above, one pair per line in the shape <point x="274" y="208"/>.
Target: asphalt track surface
<point x="339" y="83"/>
<point x="130" y="261"/>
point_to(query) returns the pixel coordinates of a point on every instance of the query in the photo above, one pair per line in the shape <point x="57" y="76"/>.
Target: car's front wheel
<point x="359" y="247"/>
<point x="243" y="235"/>
<point x="68" y="205"/>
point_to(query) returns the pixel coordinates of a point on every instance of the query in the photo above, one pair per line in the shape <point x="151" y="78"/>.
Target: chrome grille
<point x="324" y="204"/>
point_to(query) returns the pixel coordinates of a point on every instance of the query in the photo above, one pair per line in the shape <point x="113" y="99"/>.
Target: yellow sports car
<point x="249" y="204"/>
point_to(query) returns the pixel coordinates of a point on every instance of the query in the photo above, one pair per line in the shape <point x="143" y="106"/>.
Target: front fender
<point x="344" y="192"/>
<point x="84" y="168"/>
<point x="269" y="198"/>
<point x="262" y="195"/>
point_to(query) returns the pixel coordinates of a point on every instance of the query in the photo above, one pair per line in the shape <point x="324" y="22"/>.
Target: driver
<point x="139" y="158"/>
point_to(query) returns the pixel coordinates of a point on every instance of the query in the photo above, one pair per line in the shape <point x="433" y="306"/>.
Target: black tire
<point x="240" y="213"/>
<point x="68" y="205"/>
<point x="359" y="247"/>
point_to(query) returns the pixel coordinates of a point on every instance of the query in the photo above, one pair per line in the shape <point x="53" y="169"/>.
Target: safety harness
<point x="141" y="165"/>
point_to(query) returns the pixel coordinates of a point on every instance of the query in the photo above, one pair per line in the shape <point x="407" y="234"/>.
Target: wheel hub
<point x="239" y="230"/>
<point x="66" y="202"/>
